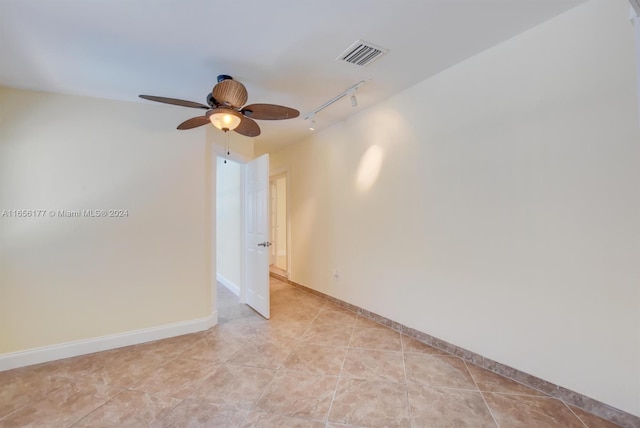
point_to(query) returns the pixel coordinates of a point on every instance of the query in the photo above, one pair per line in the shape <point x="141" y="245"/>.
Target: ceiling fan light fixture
<point x="225" y="119"/>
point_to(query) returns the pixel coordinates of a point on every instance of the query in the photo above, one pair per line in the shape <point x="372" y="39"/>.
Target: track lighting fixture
<point x="351" y="92"/>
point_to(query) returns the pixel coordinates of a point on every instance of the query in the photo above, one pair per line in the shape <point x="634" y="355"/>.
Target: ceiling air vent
<point x="362" y="53"/>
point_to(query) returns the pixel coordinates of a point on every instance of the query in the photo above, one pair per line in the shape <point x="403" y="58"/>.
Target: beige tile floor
<point x="312" y="365"/>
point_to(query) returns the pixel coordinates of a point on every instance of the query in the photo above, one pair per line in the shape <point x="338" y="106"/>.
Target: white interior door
<point x="257" y="234"/>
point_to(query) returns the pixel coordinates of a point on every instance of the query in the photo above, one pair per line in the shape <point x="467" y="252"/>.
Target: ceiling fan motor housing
<point x="230" y="92"/>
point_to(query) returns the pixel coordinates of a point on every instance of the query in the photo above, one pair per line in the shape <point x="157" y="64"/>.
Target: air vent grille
<point x="362" y="53"/>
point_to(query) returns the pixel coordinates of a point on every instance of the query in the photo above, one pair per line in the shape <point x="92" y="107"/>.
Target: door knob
<point x="265" y="244"/>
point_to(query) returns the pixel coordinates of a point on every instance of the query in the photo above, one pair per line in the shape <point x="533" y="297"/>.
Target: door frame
<point x="277" y="172"/>
<point x="219" y="151"/>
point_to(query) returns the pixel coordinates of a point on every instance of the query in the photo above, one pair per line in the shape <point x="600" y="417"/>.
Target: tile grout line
<point x="481" y="394"/>
<point x="30" y="401"/>
<point x="253" y="408"/>
<point x="344" y="359"/>
<point x="22" y="407"/>
<point x="278" y="369"/>
<point x="574" y="414"/>
<point x="406" y="380"/>
<point x="295" y="339"/>
<point x="182" y="400"/>
<point x="581" y="401"/>
<point x="100" y="406"/>
<point x="245" y="341"/>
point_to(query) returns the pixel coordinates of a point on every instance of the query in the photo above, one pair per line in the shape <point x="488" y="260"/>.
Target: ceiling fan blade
<point x="248" y="127"/>
<point x="194" y="122"/>
<point x="174" y="101"/>
<point x="269" y="112"/>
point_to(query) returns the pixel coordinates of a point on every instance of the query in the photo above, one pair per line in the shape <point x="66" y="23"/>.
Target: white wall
<point x="69" y="279"/>
<point x="494" y="206"/>
<point x="229" y="223"/>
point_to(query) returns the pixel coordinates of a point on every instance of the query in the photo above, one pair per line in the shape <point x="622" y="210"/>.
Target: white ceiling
<point x="282" y="50"/>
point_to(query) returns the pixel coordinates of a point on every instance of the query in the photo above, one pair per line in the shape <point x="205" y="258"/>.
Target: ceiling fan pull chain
<point x="226" y="144"/>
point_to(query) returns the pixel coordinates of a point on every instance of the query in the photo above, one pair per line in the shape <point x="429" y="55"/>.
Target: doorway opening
<point x="229" y="225"/>
<point x="279" y="257"/>
<point x="242" y="231"/>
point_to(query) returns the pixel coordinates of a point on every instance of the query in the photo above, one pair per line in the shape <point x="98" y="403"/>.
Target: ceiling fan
<point x="225" y="109"/>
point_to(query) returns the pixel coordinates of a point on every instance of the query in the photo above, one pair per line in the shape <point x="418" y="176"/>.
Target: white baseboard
<point x="88" y="346"/>
<point x="230" y="285"/>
